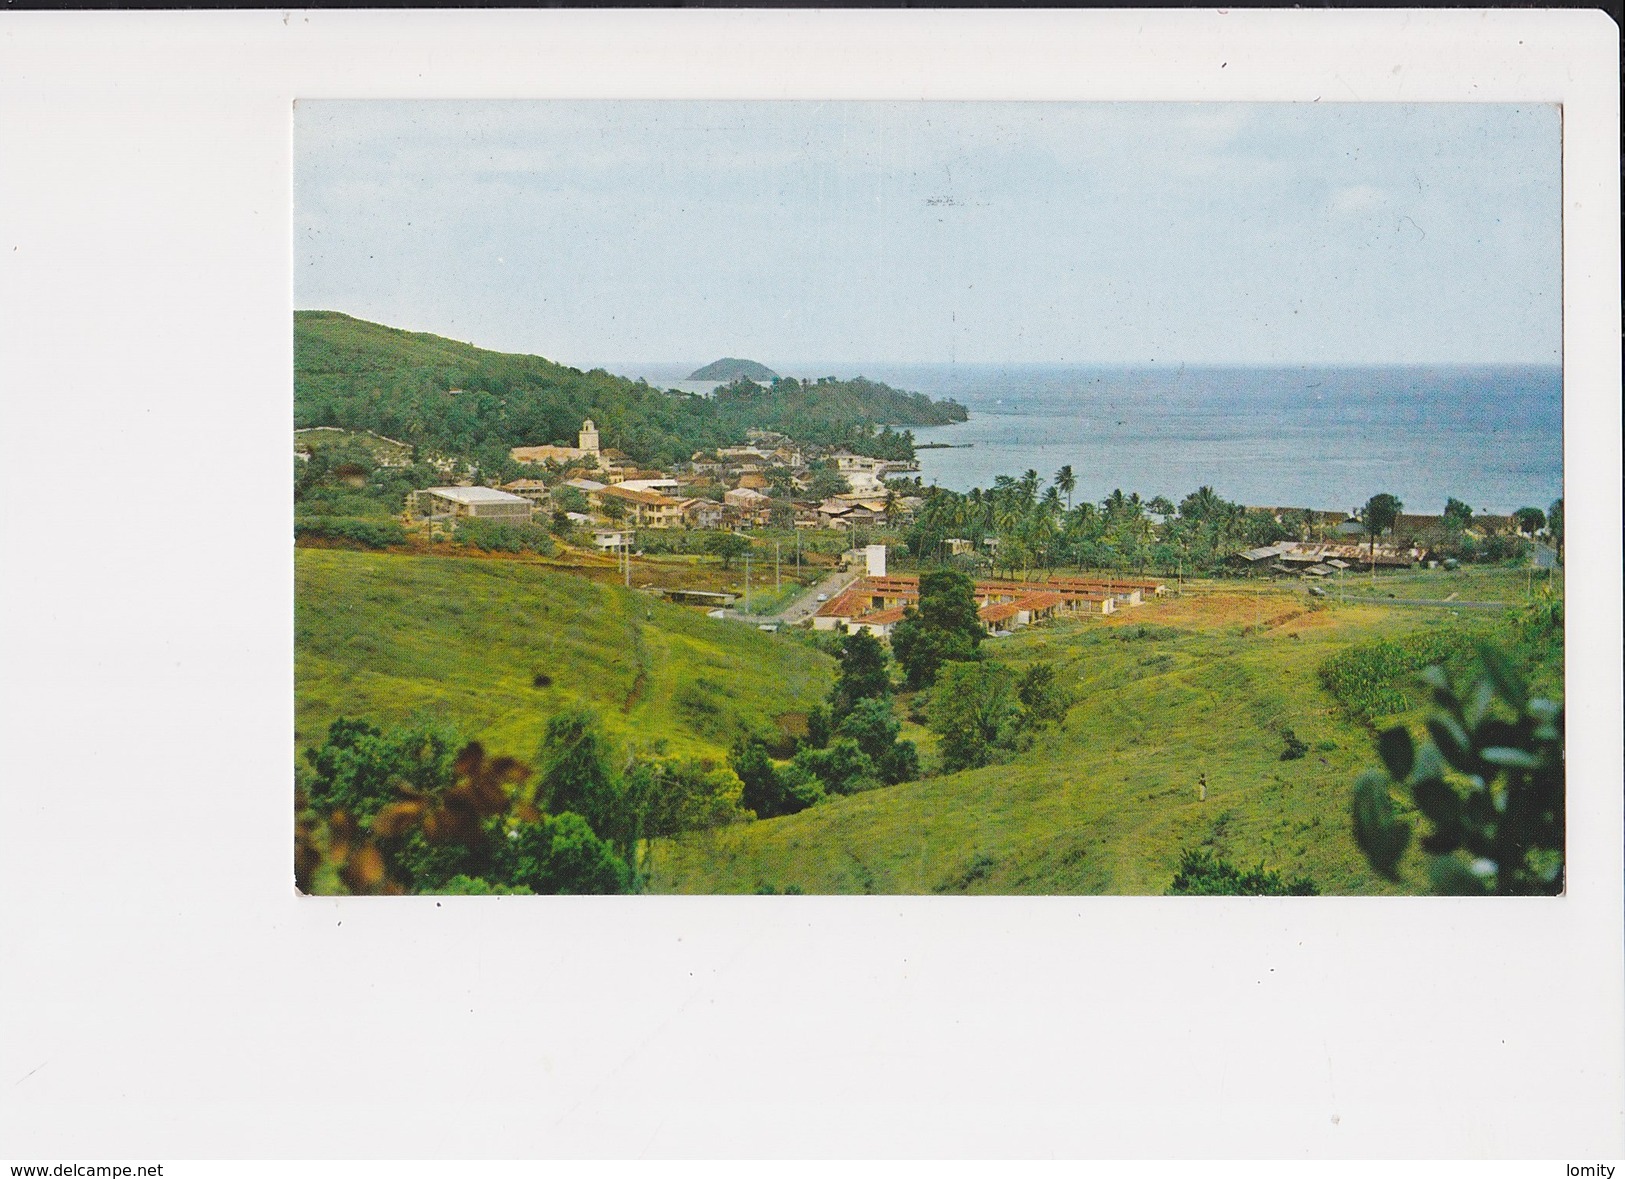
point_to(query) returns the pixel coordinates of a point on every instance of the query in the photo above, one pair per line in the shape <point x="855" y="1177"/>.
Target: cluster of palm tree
<point x="1033" y="526"/>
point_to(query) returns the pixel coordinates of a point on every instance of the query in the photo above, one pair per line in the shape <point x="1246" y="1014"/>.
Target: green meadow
<point x="1205" y="683"/>
<point x="498" y="646"/>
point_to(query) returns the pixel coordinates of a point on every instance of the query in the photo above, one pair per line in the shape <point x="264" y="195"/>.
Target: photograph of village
<point x="999" y="498"/>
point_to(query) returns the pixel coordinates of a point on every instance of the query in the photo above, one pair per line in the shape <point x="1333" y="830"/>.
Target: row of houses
<point x="648" y="504"/>
<point x="876" y="603"/>
<point x="1323" y="560"/>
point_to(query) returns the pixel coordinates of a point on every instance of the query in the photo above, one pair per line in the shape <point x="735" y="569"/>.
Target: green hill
<point x="498" y="646"/>
<point x="731" y="368"/>
<point x="1107" y="803"/>
<point x="452" y="397"/>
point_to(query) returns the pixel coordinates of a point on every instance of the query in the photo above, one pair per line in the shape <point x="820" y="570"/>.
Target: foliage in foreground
<point x="399" y="811"/>
<point x="1490" y="780"/>
<point x="1203" y="874"/>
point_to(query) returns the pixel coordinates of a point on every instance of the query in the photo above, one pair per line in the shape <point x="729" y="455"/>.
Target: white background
<point x="165" y="995"/>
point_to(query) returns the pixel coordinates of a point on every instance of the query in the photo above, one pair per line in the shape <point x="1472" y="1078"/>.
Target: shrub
<point x="475" y="886"/>
<point x="371" y="534"/>
<point x="1370" y="679"/>
<point x="560" y="854"/>
<point x="900" y="763"/>
<point x="495" y="536"/>
<point x="1203" y="874"/>
<point x="1295" y="748"/>
<point x="356" y="769"/>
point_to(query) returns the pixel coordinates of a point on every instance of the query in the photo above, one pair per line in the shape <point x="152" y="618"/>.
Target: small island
<point x="731" y="368"/>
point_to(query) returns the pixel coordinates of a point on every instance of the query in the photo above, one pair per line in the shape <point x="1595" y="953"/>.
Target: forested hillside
<point x="475" y="403"/>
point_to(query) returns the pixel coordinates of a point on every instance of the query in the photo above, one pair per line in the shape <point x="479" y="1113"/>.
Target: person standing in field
<point x="1201" y="787"/>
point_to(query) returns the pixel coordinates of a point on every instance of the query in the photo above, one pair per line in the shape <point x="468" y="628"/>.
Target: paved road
<point x="803" y="607"/>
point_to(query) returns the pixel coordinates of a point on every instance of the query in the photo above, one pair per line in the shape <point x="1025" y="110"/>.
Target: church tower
<point x="589" y="437"/>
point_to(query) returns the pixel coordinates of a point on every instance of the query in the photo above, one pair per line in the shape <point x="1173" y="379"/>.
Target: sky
<point x="929" y="232"/>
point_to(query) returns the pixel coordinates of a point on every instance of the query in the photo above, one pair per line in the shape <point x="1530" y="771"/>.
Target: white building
<point x="478" y="503"/>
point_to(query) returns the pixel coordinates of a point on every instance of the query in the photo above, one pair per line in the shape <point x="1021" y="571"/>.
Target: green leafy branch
<point x="1490" y="780"/>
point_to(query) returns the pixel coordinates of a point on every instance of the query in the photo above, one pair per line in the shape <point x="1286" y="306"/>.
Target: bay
<point x="1321" y="437"/>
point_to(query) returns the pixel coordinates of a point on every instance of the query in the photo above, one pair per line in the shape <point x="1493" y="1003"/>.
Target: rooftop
<point x="476" y="495"/>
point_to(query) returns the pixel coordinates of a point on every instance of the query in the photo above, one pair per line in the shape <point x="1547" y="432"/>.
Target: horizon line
<point x="1152" y="362"/>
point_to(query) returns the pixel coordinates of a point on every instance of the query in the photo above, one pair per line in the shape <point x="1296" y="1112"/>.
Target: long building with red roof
<point x="876" y="604"/>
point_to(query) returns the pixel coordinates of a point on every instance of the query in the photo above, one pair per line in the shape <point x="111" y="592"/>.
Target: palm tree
<point x="1200" y="504"/>
<point x="1381" y="512"/>
<point x="1067" y="483"/>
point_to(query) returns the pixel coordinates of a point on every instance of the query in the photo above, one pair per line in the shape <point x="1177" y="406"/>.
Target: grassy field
<point x="1205" y="683"/>
<point x="385" y="636"/>
<point x="1495" y="583"/>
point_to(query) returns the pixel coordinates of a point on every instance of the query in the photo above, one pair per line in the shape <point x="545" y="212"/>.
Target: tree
<point x="863" y="673"/>
<point x="1490" y="780"/>
<point x="1066" y="483"/>
<point x="1381" y="513"/>
<point x="569" y="499"/>
<point x="768" y="790"/>
<point x="576" y="773"/>
<point x="819" y="726"/>
<point x="1529" y="520"/>
<point x="1041" y="695"/>
<point x="900" y="763"/>
<point x="943" y="628"/>
<point x="1554" y="522"/>
<point x="871" y="724"/>
<point x="841" y="768"/>
<point x="684" y="794"/>
<point x="727" y="546"/>
<point x="975" y="713"/>
<point x="1457" y="515"/>
<point x="827" y="481"/>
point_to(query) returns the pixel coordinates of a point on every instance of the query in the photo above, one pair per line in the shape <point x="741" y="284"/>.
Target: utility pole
<point x="775" y="566"/>
<point x="747" y="583"/>
<point x="798" y="553"/>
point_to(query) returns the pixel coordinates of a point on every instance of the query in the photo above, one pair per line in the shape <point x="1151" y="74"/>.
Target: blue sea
<point x="1326" y="438"/>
